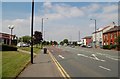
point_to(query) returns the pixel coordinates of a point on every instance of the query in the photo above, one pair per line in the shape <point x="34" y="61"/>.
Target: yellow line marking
<point x="63" y="72"/>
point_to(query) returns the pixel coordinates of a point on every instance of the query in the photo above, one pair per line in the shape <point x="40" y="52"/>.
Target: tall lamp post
<point x="11" y="27"/>
<point x="42" y="29"/>
<point x="42" y="25"/>
<point x="32" y="31"/>
<point x="95" y="31"/>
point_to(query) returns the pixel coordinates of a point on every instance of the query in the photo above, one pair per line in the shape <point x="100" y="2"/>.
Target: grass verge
<point x="13" y="62"/>
<point x="35" y="49"/>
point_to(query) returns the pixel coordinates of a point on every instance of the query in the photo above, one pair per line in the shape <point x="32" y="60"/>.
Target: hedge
<point x="109" y="46"/>
<point x="8" y="48"/>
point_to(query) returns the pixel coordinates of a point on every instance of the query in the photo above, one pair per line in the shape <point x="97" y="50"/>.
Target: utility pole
<point x="42" y="27"/>
<point x="95" y="31"/>
<point x="32" y="20"/>
<point x="79" y="36"/>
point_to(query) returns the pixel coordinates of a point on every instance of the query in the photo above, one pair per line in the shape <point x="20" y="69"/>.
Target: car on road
<point x="22" y="44"/>
<point x="83" y="45"/>
<point x="89" y="46"/>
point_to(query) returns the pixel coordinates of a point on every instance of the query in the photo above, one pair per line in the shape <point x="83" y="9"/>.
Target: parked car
<point x="83" y="45"/>
<point x="89" y="46"/>
<point x="22" y="44"/>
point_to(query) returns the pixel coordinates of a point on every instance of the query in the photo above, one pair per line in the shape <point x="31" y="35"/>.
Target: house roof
<point x="116" y="28"/>
<point x="5" y="35"/>
<point x="87" y="37"/>
<point x="101" y="29"/>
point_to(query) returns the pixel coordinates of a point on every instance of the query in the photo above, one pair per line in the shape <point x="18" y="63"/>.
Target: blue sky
<point x="65" y="19"/>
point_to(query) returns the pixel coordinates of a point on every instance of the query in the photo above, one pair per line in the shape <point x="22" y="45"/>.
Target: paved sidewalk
<point x="43" y="67"/>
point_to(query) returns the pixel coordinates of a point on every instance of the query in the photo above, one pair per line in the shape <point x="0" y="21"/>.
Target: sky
<point x="65" y="19"/>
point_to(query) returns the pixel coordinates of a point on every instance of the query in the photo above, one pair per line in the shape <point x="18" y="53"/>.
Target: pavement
<point x="43" y="67"/>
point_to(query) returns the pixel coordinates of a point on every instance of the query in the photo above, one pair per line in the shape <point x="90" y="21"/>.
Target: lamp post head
<point x="11" y="26"/>
<point x="91" y="19"/>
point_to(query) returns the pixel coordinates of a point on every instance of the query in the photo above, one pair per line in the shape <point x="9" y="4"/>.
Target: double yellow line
<point x="60" y="68"/>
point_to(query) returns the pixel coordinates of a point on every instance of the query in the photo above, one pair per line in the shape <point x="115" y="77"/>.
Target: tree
<point x="55" y="43"/>
<point x="51" y="42"/>
<point x="75" y="43"/>
<point x="25" y="39"/>
<point x="61" y="43"/>
<point x="37" y="37"/>
<point x="65" y="41"/>
<point x="47" y="42"/>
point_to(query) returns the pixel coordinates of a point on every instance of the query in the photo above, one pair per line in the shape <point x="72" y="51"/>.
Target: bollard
<point x="45" y="50"/>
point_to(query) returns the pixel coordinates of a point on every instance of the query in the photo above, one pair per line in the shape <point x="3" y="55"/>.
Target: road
<point x="86" y="62"/>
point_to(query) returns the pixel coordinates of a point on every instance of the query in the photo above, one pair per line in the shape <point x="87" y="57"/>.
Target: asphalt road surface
<point x="86" y="62"/>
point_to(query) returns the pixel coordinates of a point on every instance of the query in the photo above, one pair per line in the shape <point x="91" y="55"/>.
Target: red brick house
<point x="110" y="36"/>
<point x="6" y="38"/>
<point x="87" y="40"/>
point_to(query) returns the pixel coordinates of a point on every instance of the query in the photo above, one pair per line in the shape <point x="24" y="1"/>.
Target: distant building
<point x="6" y="38"/>
<point x="109" y="37"/>
<point x="99" y="35"/>
<point x="87" y="40"/>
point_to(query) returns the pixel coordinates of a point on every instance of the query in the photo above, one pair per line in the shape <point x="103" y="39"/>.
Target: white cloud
<point x="92" y="25"/>
<point x="21" y="26"/>
<point x="91" y="8"/>
<point x="110" y="8"/>
<point x="60" y="13"/>
<point x="47" y="4"/>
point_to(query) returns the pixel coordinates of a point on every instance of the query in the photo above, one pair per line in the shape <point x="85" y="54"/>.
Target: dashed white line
<point x="94" y="57"/>
<point x="111" y="58"/>
<point x="82" y="55"/>
<point x="105" y="68"/>
<point x="61" y="56"/>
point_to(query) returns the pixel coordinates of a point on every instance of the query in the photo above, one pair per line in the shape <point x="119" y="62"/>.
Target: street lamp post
<point x="42" y="29"/>
<point x="32" y="31"/>
<point x="42" y="24"/>
<point x="11" y="27"/>
<point x="95" y="31"/>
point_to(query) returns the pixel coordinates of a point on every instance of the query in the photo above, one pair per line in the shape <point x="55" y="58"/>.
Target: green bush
<point x="8" y="48"/>
<point x="114" y="46"/>
<point x="109" y="46"/>
<point x="106" y="47"/>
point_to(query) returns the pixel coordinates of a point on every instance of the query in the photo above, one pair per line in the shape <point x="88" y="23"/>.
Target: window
<point x="111" y="36"/>
<point x="115" y="35"/>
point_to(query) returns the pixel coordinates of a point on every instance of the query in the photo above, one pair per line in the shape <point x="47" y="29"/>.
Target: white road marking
<point x="61" y="56"/>
<point x="105" y="68"/>
<point x="94" y="57"/>
<point x="82" y="55"/>
<point x="108" y="56"/>
<point x="111" y="58"/>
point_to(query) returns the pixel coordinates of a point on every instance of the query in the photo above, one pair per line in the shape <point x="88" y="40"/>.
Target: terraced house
<point x="99" y="35"/>
<point x="110" y="36"/>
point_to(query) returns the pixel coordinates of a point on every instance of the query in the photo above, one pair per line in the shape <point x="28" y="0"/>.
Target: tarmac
<point x="43" y="67"/>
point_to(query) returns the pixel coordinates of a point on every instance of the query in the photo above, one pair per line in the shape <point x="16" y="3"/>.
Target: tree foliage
<point x="37" y="37"/>
<point x="61" y="43"/>
<point x="65" y="41"/>
<point x="25" y="39"/>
